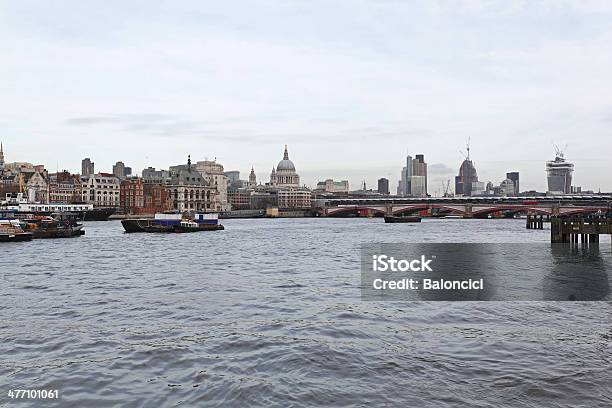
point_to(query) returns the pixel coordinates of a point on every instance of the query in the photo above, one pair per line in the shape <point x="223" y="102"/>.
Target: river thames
<point x="269" y="313"/>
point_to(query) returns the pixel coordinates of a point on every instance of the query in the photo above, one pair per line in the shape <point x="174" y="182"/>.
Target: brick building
<point x="131" y="195"/>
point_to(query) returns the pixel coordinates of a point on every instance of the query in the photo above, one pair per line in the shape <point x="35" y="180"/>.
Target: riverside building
<point x="189" y="191"/>
<point x="101" y="190"/>
<point x="131" y="196"/>
<point x="65" y="188"/>
<point x="213" y="173"/>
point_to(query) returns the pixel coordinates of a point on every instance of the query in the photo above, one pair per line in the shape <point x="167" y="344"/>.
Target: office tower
<point x="87" y="167"/>
<point x="119" y="169"/>
<point x="408" y="176"/>
<point x="514" y="176"/>
<point x="419" y="170"/>
<point x="383" y="186"/>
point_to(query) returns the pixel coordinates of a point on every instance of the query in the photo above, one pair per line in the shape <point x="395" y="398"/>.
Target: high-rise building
<point x="559" y="175"/>
<point x="1" y="157"/>
<point x="466" y="178"/>
<point x="419" y="168"/>
<point x="383" y="186"/>
<point x="419" y="186"/>
<point x="119" y="169"/>
<point x="514" y="176"/>
<point x="87" y="167"/>
<point x="401" y="184"/>
<point x="408" y="176"/>
<point x="232" y="176"/>
<point x="414" y="168"/>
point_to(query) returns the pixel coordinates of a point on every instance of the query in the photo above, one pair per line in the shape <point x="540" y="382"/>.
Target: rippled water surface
<point x="268" y="313"/>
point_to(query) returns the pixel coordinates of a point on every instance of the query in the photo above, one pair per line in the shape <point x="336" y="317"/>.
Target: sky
<point x="350" y="86"/>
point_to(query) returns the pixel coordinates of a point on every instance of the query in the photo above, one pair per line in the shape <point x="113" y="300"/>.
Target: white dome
<point x="285" y="165"/>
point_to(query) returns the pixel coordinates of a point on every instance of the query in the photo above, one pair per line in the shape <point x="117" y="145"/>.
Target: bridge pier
<point x="388" y="209"/>
<point x="468" y="211"/>
<point x="575" y="230"/>
<point x="535" y="221"/>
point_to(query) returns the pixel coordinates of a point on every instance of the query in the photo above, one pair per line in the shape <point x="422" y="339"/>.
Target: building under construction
<point x="464" y="182"/>
<point x="559" y="173"/>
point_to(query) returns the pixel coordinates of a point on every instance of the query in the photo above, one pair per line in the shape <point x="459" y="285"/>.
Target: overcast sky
<point x="350" y="86"/>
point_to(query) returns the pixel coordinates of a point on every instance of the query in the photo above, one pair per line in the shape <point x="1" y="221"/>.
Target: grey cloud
<point x="169" y="126"/>
<point x="120" y="119"/>
<point x="439" y="169"/>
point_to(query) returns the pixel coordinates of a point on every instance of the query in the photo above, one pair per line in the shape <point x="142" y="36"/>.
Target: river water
<point x="269" y="313"/>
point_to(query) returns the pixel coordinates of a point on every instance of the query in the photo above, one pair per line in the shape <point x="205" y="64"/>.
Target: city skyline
<point x="434" y="190"/>
<point x="147" y="84"/>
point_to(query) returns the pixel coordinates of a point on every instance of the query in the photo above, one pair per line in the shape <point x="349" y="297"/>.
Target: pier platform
<point x="580" y="229"/>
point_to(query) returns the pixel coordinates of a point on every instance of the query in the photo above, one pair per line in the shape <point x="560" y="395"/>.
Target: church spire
<point x="286" y="155"/>
<point x="1" y="155"/>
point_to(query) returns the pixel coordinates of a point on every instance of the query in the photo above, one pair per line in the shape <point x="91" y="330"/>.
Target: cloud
<point x="439" y="169"/>
<point x="121" y="119"/>
<point x="166" y="126"/>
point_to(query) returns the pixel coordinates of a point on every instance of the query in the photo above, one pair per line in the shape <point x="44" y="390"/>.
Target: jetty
<point x="580" y="229"/>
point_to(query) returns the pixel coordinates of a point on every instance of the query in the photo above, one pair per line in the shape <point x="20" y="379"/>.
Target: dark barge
<point x="391" y="219"/>
<point x="173" y="223"/>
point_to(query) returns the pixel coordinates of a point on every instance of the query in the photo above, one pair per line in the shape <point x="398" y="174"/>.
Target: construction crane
<point x="558" y="151"/>
<point x="446" y="188"/>
<point x="467" y="156"/>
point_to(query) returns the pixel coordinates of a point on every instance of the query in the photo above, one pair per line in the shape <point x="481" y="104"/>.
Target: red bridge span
<point x="464" y="208"/>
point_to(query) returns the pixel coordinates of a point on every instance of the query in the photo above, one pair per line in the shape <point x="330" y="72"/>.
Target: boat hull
<point x="58" y="233"/>
<point x="18" y="237"/>
<point x="98" y="214"/>
<point x="148" y="225"/>
<point x="393" y="219"/>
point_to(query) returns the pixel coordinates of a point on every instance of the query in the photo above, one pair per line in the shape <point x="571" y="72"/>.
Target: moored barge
<point x="173" y="223"/>
<point x="61" y="225"/>
<point x="395" y="219"/>
<point x="11" y="231"/>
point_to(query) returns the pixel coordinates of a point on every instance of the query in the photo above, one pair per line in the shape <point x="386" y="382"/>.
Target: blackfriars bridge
<point x="466" y="207"/>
